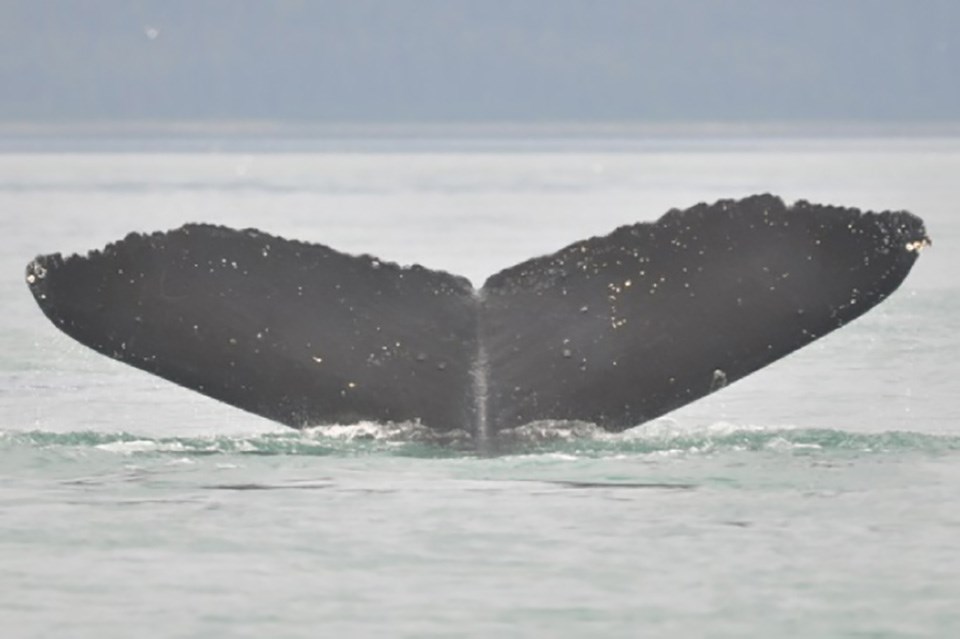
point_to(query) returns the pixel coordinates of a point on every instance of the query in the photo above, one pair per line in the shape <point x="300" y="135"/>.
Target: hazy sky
<point x="479" y="60"/>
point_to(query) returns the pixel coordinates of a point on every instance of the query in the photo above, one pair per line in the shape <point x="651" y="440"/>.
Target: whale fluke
<point x="297" y="333"/>
<point x="613" y="330"/>
<point x="618" y="330"/>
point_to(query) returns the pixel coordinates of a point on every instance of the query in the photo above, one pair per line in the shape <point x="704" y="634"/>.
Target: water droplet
<point x="719" y="380"/>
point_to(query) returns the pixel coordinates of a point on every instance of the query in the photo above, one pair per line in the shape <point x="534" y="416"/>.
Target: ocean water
<point x="819" y="497"/>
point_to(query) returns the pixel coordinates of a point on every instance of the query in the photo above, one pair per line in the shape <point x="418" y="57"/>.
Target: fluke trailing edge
<point x="613" y="330"/>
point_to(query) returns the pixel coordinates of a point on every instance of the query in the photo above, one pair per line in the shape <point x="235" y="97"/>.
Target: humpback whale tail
<point x="613" y="330"/>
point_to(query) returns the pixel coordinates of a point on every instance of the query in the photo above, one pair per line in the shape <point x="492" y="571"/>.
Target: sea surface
<point x="819" y="497"/>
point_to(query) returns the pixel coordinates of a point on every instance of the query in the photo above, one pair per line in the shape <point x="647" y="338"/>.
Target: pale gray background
<point x="467" y="61"/>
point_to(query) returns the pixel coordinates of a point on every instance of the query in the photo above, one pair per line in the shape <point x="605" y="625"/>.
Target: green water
<point x="716" y="532"/>
<point x="819" y="497"/>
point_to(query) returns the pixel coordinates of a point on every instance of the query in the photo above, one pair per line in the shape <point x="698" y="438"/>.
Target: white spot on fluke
<point x="719" y="379"/>
<point x="39" y="272"/>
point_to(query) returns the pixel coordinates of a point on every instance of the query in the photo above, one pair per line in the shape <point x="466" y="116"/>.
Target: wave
<point x="570" y="438"/>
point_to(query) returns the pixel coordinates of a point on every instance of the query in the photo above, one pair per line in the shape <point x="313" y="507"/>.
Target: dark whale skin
<point x="297" y="333"/>
<point x="613" y="330"/>
<point x="618" y="330"/>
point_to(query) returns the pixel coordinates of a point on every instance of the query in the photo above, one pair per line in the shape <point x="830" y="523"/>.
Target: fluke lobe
<point x="612" y="330"/>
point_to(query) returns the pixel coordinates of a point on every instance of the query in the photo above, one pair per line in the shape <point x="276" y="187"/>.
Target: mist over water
<point x="815" y="498"/>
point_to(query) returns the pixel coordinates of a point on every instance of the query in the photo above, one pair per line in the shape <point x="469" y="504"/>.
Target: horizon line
<point x="320" y="129"/>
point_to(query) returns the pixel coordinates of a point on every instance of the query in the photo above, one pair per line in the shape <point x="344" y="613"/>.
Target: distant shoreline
<point x="266" y="136"/>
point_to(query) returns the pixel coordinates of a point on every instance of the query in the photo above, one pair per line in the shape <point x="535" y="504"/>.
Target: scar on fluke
<point x="612" y="330"/>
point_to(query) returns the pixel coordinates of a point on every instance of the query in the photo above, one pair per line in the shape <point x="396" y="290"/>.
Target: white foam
<point x="130" y="447"/>
<point x="665" y="429"/>
<point x="370" y="430"/>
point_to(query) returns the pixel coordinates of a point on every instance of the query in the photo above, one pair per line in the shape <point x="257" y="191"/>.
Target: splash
<point x="665" y="437"/>
<point x="570" y="439"/>
<point x="409" y="440"/>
